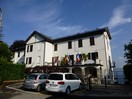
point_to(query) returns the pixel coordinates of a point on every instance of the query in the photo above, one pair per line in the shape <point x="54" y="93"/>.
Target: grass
<point x="8" y="82"/>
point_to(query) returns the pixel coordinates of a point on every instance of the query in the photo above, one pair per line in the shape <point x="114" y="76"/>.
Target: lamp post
<point x="0" y="23"/>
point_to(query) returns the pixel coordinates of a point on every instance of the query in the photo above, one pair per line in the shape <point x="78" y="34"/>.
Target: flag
<point x="66" y="59"/>
<point x="78" y="58"/>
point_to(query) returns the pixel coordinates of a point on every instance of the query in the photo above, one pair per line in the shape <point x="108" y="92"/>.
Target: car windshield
<point x="55" y="77"/>
<point x="32" y="76"/>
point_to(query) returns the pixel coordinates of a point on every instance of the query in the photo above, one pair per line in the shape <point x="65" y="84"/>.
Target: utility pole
<point x="0" y="24"/>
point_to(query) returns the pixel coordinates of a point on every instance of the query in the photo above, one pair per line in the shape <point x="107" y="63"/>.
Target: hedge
<point x="9" y="71"/>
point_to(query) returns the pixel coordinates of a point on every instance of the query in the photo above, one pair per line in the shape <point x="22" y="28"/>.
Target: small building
<point x="19" y="55"/>
<point x="83" y="53"/>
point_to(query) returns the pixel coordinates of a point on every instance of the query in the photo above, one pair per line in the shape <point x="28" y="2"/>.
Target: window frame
<point x="69" y="44"/>
<point x="80" y="43"/>
<point x="31" y="48"/>
<point x="18" y="54"/>
<point x="92" y="41"/>
<point x="55" y="47"/>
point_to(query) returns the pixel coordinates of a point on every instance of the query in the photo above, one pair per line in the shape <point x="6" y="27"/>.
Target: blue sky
<point x="58" y="18"/>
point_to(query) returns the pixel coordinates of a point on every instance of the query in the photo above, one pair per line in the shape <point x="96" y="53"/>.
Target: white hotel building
<point x="94" y="46"/>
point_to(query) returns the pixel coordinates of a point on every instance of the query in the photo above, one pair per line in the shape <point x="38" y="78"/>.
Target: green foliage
<point x="9" y="71"/>
<point x="5" y="53"/>
<point x="18" y="44"/>
<point x="85" y="57"/>
<point x="128" y="52"/>
<point x="128" y="71"/>
<point x="63" y="62"/>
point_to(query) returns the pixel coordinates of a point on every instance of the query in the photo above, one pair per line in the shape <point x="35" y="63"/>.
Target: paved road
<point x="15" y="92"/>
<point x="21" y="95"/>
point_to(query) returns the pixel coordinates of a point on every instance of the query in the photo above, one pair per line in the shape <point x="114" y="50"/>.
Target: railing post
<point x="105" y="82"/>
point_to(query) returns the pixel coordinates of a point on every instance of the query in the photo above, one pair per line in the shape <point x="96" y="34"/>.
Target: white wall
<point x="45" y="50"/>
<point x="48" y="53"/>
<point x="38" y="51"/>
<point x="102" y="46"/>
<point x="19" y="59"/>
<point x="98" y="47"/>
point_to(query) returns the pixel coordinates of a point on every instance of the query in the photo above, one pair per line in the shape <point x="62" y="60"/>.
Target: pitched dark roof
<point x="72" y="37"/>
<point x="83" y="35"/>
<point x="46" y="38"/>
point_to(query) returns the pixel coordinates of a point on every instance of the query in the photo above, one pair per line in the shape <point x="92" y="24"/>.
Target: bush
<point x="9" y="71"/>
<point x="128" y="71"/>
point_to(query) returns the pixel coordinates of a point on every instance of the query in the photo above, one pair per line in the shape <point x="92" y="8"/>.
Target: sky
<point x="59" y="18"/>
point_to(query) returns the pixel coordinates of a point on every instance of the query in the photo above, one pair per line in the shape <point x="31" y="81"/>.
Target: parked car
<point x="35" y="81"/>
<point x="62" y="82"/>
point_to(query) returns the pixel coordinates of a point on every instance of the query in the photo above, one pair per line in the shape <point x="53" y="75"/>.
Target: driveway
<point x="14" y="91"/>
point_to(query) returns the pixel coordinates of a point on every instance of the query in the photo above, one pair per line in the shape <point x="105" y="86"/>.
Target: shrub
<point x="128" y="71"/>
<point x="9" y="71"/>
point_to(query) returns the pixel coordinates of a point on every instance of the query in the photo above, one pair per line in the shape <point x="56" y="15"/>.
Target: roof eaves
<point x="42" y="35"/>
<point x="84" y="34"/>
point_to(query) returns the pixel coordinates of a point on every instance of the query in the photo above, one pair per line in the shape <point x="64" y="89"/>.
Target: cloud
<point x="116" y="32"/>
<point x="113" y="47"/>
<point x="118" y="18"/>
<point x="121" y="58"/>
<point x="44" y="17"/>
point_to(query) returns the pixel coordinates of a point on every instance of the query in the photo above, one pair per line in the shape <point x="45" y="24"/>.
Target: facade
<point x="19" y="55"/>
<point x="83" y="53"/>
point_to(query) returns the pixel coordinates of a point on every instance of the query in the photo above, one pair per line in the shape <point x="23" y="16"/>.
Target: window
<point x="27" y="48"/>
<point x="55" y="47"/>
<point x="93" y="56"/>
<point x="69" y="44"/>
<point x="18" y="54"/>
<point x="43" y="77"/>
<point x="28" y="60"/>
<point x="31" y="48"/>
<point x="55" y="77"/>
<point x="92" y="41"/>
<point x="71" y="77"/>
<point x="80" y="43"/>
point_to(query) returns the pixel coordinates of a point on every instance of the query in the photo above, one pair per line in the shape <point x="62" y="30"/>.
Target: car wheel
<point x="68" y="91"/>
<point x="38" y="88"/>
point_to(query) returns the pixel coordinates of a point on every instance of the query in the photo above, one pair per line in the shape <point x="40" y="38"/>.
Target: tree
<point x="128" y="55"/>
<point x="5" y="53"/>
<point x="128" y="52"/>
<point x="128" y="71"/>
<point x="17" y="45"/>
